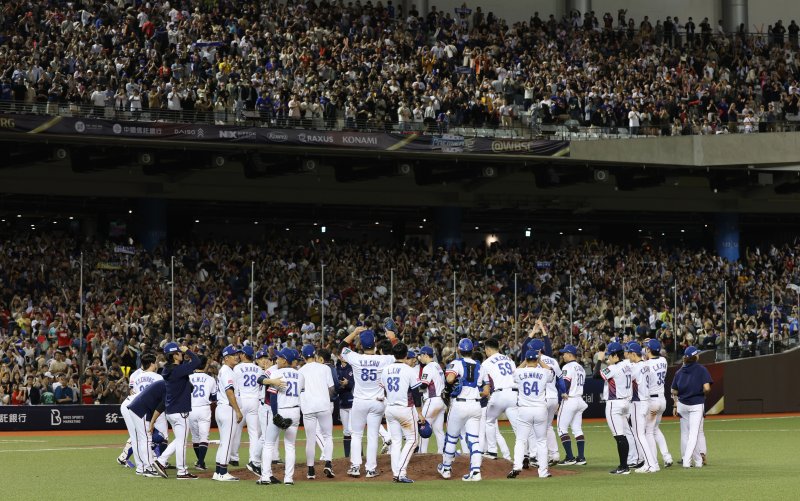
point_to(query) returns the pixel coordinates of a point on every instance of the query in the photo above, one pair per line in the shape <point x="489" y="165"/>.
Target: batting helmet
<point x="425" y="430"/>
<point x="465" y="345"/>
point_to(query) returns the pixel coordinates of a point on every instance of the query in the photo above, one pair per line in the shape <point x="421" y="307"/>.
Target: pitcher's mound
<point x="421" y="467"/>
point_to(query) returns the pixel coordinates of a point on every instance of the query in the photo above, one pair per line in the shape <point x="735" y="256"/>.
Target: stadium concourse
<point x="374" y="66"/>
<point x="127" y="301"/>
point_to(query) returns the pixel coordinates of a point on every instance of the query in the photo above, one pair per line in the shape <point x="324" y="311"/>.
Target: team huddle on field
<point x="459" y="406"/>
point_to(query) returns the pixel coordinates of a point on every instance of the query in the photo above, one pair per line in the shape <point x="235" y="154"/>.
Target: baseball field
<point x="750" y="457"/>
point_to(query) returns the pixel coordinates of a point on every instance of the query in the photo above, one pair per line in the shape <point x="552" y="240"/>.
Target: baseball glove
<point x="456" y="391"/>
<point x="389" y="324"/>
<point x="281" y="422"/>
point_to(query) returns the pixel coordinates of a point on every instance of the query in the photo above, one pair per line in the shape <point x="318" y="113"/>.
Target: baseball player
<point x="554" y="389"/>
<point x="203" y="393"/>
<point x="433" y="408"/>
<point x="570" y="413"/>
<point x="658" y="402"/>
<point x="531" y="412"/>
<point x="285" y="405"/>
<point x="634" y="461"/>
<point x="138" y="381"/>
<point x="618" y="378"/>
<point x="344" y="396"/>
<point x="247" y="395"/>
<point x="400" y="381"/>
<point x="497" y="380"/>
<point x="368" y="406"/>
<point x="325" y="358"/>
<point x="140" y="409"/>
<point x="462" y="379"/>
<point x="690" y="386"/>
<point x="228" y="414"/>
<point x="640" y="407"/>
<point x="178" y="405"/>
<point x="315" y="404"/>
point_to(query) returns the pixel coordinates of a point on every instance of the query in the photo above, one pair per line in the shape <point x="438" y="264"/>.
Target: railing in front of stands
<point x="523" y="126"/>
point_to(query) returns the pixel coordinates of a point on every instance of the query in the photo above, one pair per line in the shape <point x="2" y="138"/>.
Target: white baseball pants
<point x="180" y="428"/>
<point x="655" y="438"/>
<point x="464" y="417"/>
<point x="226" y="423"/>
<point x="433" y="409"/>
<point x="271" y="437"/>
<point x="318" y="426"/>
<point x="499" y="403"/>
<point x="691" y="421"/>
<point x="365" y="414"/>
<point x="531" y="420"/>
<point x="402" y="424"/>
<point x="639" y="411"/>
<point x="200" y="423"/>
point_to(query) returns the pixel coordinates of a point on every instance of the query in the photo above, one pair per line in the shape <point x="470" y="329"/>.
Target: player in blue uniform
<point x="344" y="396"/>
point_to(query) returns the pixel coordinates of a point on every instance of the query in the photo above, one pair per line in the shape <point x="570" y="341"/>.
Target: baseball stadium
<point x="396" y="249"/>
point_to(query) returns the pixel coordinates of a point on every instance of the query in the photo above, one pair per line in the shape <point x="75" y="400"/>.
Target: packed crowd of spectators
<point x="127" y="302"/>
<point x="371" y="65"/>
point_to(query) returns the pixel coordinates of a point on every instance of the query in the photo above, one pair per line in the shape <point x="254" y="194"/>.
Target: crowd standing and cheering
<point x="127" y="302"/>
<point x="371" y="65"/>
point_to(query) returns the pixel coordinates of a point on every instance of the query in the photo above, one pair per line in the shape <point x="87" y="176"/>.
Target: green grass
<point x="748" y="459"/>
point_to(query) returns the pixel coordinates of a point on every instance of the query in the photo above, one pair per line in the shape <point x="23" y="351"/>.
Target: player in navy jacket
<point x="344" y="395"/>
<point x="181" y="363"/>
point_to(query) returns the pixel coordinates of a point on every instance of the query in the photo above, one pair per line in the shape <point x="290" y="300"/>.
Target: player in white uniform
<point x="285" y="406"/>
<point x="640" y="407"/>
<point x="315" y="404"/>
<point x="531" y="412"/>
<point x="368" y="406"/>
<point x="138" y="381"/>
<point x="618" y="377"/>
<point x="554" y="389"/>
<point x="658" y="402"/>
<point x="634" y="461"/>
<point x="228" y="414"/>
<point x="433" y="408"/>
<point x="247" y="394"/>
<point x="462" y="381"/>
<point x="203" y="393"/>
<point x="400" y="381"/>
<point x="497" y="380"/>
<point x="570" y="413"/>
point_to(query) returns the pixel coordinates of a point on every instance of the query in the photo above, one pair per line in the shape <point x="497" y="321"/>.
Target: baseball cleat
<point x="667" y="464"/>
<point x="513" y="474"/>
<point x="233" y="462"/>
<point x="546" y="475"/>
<point x="289" y="482"/>
<point x="386" y="446"/>
<point x="311" y="475"/>
<point x="703" y="457"/>
<point x="149" y="473"/>
<point x="262" y="482"/>
<point x="403" y="480"/>
<point x="646" y="469"/>
<point x="186" y="476"/>
<point x="354" y="471"/>
<point x="443" y="471"/>
<point x="256" y="470"/>
<point x="276" y="461"/>
<point x="580" y="461"/>
<point x="620" y="471"/>
<point x="634" y="466"/>
<point x="490" y="455"/>
<point x="567" y="462"/>
<point x="121" y="461"/>
<point x="526" y="463"/>
<point x="372" y="473"/>
<point x="224" y="477"/>
<point x="274" y="480"/>
<point x="472" y="476"/>
<point x="170" y="466"/>
<point x="552" y="462"/>
<point x="328" y="471"/>
<point x="160" y="469"/>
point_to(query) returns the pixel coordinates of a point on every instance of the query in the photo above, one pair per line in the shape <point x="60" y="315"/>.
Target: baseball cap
<point x="634" y="347"/>
<point x="691" y="351"/>
<point x="465" y="344"/>
<point x="248" y="350"/>
<point x="170" y="348"/>
<point x="536" y="344"/>
<point x="286" y="354"/>
<point x="569" y="349"/>
<point x="230" y="350"/>
<point x="426" y="350"/>
<point x="367" y="339"/>
<point x="308" y="351"/>
<point x="411" y="354"/>
<point x="295" y="354"/>
<point x="261" y="354"/>
<point x="654" y="345"/>
<point x="531" y="355"/>
<point x="613" y="348"/>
